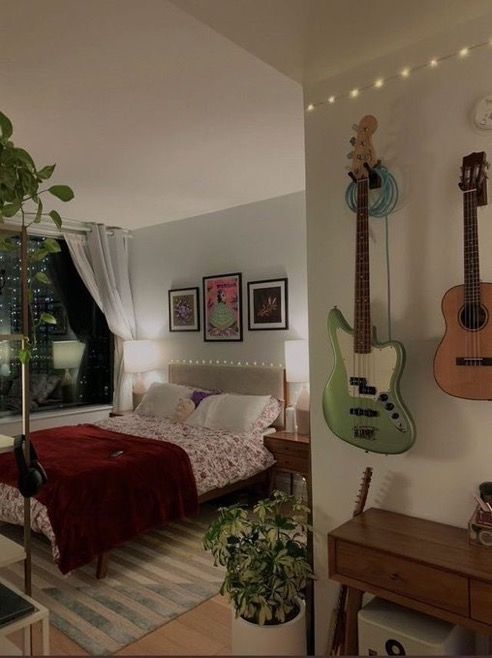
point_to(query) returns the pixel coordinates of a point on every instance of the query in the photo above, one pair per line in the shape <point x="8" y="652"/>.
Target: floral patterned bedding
<point x="217" y="458"/>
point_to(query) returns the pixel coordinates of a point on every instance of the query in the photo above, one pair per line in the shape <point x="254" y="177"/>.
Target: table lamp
<point x="141" y="356"/>
<point x="67" y="355"/>
<point x="297" y="372"/>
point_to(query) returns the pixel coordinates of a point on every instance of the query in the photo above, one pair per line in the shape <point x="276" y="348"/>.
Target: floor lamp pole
<point x="25" y="368"/>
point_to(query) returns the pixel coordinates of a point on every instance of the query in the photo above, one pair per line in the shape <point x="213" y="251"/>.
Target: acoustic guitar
<point x="361" y="401"/>
<point x="463" y="361"/>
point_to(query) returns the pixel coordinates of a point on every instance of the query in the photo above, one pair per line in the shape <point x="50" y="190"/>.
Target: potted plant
<point x="265" y="556"/>
<point x="22" y="190"/>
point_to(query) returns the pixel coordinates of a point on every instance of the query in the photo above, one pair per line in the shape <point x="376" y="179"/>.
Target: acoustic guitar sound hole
<point x="473" y="316"/>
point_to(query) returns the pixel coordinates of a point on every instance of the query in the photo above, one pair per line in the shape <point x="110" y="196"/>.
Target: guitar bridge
<point x="364" y="432"/>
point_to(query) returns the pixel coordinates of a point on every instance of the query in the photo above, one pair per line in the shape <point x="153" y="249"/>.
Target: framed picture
<point x="184" y="309"/>
<point x="268" y="304"/>
<point x="222" y="308"/>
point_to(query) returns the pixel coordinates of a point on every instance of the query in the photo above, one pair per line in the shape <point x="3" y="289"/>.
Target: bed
<point x="166" y="469"/>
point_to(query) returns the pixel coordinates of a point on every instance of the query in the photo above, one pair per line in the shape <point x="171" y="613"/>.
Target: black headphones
<point x="32" y="477"/>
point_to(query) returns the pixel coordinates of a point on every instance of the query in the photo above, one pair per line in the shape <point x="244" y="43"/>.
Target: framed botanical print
<point x="268" y="304"/>
<point x="184" y="309"/>
<point x="222" y="312"/>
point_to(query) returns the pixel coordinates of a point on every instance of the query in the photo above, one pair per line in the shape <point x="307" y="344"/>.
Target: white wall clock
<point x="482" y="113"/>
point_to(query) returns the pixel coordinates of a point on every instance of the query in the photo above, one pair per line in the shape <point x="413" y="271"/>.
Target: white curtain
<point x="101" y="260"/>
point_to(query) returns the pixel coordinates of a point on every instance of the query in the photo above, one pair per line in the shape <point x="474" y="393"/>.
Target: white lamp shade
<point x="67" y="353"/>
<point x="143" y="355"/>
<point x="296" y="361"/>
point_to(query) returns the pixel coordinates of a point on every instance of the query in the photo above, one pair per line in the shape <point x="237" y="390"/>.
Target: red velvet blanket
<point x="95" y="501"/>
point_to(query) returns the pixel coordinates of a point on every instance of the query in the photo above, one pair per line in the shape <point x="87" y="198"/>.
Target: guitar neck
<point x="362" y="311"/>
<point x="472" y="264"/>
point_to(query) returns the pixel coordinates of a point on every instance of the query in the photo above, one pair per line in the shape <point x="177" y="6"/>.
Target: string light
<point x="404" y="73"/>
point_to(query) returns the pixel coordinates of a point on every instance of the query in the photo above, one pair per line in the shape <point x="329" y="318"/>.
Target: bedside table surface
<point x="289" y="436"/>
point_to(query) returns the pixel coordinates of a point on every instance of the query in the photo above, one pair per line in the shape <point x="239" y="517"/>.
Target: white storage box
<point x="387" y="629"/>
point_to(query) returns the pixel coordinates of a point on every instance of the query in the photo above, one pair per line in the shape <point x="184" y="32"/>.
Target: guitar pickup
<point x="358" y="411"/>
<point x="358" y="381"/>
<point x="367" y="390"/>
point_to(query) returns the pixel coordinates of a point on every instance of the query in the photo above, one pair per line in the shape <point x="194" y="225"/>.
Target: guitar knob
<point x="395" y="416"/>
<point x="350" y="155"/>
<point x="389" y="406"/>
<point x="383" y="397"/>
<point x="353" y="140"/>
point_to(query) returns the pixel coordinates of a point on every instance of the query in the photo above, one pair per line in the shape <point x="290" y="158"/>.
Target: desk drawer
<point x="436" y="587"/>
<point x="481" y="601"/>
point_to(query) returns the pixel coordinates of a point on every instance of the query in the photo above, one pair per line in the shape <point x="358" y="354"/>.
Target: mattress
<point x="218" y="458"/>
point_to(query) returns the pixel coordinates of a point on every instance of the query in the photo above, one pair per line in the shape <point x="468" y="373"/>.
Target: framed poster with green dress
<point x="222" y="308"/>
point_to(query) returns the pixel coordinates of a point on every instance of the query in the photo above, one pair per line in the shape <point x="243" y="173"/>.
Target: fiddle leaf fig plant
<point x="22" y="189"/>
<point x="265" y="556"/>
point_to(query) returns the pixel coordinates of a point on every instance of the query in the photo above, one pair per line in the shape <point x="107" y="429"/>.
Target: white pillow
<point x="231" y="412"/>
<point x="162" y="400"/>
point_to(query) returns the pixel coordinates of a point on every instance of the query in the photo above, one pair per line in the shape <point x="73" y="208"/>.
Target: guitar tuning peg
<point x="353" y="140"/>
<point x="355" y="127"/>
<point x="350" y="155"/>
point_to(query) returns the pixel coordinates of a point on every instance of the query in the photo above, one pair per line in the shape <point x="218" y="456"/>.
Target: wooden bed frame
<point x="247" y="380"/>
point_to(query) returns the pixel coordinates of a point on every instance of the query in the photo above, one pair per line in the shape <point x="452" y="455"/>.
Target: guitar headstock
<point x="360" y="502"/>
<point x="364" y="155"/>
<point x="474" y="176"/>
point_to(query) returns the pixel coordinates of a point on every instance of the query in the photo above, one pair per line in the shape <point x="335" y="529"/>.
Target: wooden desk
<point x="426" y="566"/>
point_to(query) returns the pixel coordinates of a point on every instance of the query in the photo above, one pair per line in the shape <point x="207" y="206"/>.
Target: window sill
<point x="72" y="411"/>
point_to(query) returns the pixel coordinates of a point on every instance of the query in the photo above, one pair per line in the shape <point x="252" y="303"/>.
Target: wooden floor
<point x="203" y="631"/>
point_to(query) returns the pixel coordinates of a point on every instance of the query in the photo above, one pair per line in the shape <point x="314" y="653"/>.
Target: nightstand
<point x="291" y="451"/>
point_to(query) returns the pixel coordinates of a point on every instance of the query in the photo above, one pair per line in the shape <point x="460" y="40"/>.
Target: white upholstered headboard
<point x="246" y="380"/>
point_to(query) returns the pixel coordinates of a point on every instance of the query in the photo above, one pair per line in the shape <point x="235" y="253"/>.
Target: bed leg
<point x="102" y="565"/>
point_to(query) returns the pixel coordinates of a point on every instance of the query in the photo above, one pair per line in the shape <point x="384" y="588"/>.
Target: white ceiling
<point x="156" y="111"/>
<point x="312" y="40"/>
<point x="150" y="115"/>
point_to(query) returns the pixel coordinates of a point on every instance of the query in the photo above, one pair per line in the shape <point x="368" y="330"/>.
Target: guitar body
<point x="361" y="401"/>
<point x="463" y="361"/>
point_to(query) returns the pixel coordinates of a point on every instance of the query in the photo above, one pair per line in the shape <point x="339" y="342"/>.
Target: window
<point x="72" y="359"/>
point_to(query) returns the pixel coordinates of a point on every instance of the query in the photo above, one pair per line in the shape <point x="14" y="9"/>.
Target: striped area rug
<point x="151" y="580"/>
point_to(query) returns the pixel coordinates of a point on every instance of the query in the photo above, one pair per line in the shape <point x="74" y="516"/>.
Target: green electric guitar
<point x="361" y="401"/>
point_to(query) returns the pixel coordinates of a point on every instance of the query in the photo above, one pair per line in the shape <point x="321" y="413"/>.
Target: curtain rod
<point x="47" y="227"/>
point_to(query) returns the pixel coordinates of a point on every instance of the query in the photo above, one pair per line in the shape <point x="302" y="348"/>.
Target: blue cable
<point x="382" y="203"/>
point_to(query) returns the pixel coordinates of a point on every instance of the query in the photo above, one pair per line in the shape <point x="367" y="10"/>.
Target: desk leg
<point x="354" y="604"/>
<point x="46" y="636"/>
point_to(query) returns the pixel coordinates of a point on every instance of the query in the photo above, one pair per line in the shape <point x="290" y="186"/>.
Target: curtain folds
<point x="103" y="264"/>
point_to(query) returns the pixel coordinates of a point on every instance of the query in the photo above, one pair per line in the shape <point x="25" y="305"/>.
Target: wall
<point x="424" y="131"/>
<point x="262" y="240"/>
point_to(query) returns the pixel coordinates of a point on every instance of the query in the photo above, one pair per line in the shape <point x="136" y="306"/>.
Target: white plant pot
<point x="287" y="639"/>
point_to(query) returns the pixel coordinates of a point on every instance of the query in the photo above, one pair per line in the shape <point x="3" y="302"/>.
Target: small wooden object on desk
<point x="422" y="565"/>
<point x="291" y="452"/>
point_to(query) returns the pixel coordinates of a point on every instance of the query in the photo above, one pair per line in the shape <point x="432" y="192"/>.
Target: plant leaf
<point x="39" y="212"/>
<point x="57" y="220"/>
<point x="6" y="127"/>
<point x="25" y="355"/>
<point x="11" y="209"/>
<point x="62" y="192"/>
<point x="51" y="245"/>
<point x="47" y="318"/>
<point x="7" y="245"/>
<point x="42" y="278"/>
<point x="46" y="172"/>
